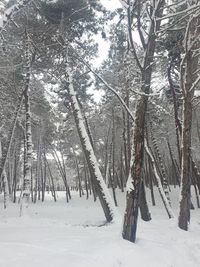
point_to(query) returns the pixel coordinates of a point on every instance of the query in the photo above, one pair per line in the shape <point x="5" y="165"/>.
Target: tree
<point x="146" y="68"/>
<point x="103" y="193"/>
<point x="189" y="81"/>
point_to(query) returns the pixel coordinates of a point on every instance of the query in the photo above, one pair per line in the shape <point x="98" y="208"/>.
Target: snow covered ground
<point x="73" y="235"/>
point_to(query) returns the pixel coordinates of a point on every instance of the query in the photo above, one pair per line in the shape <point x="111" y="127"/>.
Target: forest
<point x="100" y="133"/>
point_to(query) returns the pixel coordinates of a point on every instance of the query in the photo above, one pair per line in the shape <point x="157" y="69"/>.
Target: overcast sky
<point x="111" y="4"/>
<point x="103" y="45"/>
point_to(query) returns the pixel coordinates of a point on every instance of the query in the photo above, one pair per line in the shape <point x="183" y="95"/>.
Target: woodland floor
<point x="60" y="234"/>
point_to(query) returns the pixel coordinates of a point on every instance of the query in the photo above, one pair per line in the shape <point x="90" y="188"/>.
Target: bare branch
<point x="105" y="83"/>
<point x="191" y="8"/>
<point x="11" y="12"/>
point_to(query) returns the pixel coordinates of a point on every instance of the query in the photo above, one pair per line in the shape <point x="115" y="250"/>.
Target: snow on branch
<point x="196" y="82"/>
<point x="105" y="83"/>
<point x="124" y="3"/>
<point x="9" y="13"/>
<point x="191" y="8"/>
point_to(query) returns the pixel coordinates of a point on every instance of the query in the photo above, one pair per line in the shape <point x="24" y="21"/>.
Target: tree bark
<point x="102" y="191"/>
<point x="189" y="80"/>
<point x="28" y="132"/>
<point x="133" y="192"/>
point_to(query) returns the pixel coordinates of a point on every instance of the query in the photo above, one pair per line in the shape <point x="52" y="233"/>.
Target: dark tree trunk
<point x="133" y="193"/>
<point x="144" y="210"/>
<point x="189" y="80"/>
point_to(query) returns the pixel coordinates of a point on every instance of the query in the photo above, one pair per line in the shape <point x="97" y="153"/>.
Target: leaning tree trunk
<point x="6" y="150"/>
<point x="62" y="172"/>
<point x="159" y="183"/>
<point x="51" y="180"/>
<point x="189" y="81"/>
<point x="161" y="165"/>
<point x="101" y="189"/>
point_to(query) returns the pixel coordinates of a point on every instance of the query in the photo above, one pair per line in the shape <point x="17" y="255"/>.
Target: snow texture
<point x="60" y="234"/>
<point x="124" y="3"/>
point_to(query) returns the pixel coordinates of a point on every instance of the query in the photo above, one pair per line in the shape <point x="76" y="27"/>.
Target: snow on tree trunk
<point x="159" y="183"/>
<point x="5" y="151"/>
<point x="134" y="180"/>
<point x="189" y="81"/>
<point x="28" y="133"/>
<point x="163" y="172"/>
<point x="146" y="68"/>
<point x="106" y="201"/>
<point x="5" y="182"/>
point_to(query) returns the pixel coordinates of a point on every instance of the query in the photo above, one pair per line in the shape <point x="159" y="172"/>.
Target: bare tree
<point x="136" y="9"/>
<point x="95" y="173"/>
<point x="189" y="81"/>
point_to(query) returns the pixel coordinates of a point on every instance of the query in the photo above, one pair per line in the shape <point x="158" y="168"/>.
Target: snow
<point x="164" y="196"/>
<point x="60" y="234"/>
<point x="10" y="12"/>
<point x="109" y="201"/>
<point x="124" y="3"/>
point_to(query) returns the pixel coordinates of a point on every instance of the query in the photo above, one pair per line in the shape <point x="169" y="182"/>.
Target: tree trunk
<point x="28" y="132"/>
<point x="133" y="190"/>
<point x="5" y="183"/>
<point x="51" y="180"/>
<point x="185" y="202"/>
<point x="189" y="80"/>
<point x="161" y="165"/>
<point x="102" y="191"/>
<point x="134" y="184"/>
<point x="158" y="181"/>
<point x="144" y="210"/>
